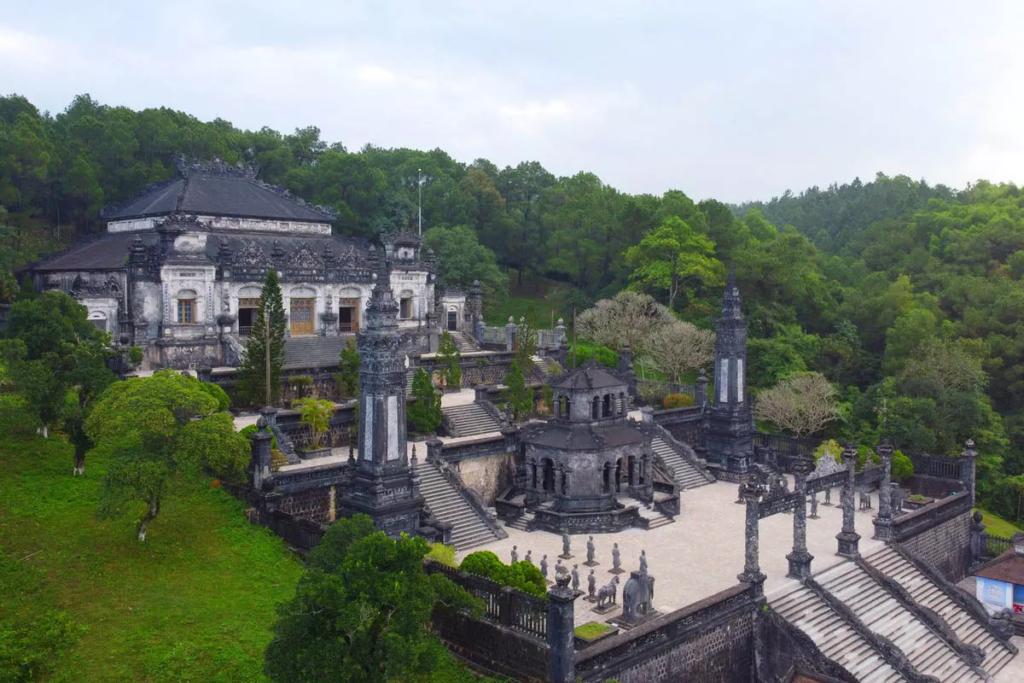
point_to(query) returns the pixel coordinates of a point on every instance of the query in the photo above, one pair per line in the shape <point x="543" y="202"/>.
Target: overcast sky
<point x="732" y="100"/>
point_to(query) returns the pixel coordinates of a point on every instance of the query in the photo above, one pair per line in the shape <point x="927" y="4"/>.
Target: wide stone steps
<point x="962" y="622"/>
<point x="880" y="611"/>
<point x="686" y="475"/>
<point x="834" y="637"/>
<point x="463" y="343"/>
<point x="470" y="420"/>
<point x="448" y="505"/>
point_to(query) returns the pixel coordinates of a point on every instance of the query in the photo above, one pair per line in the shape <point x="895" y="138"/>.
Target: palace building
<point x="180" y="267"/>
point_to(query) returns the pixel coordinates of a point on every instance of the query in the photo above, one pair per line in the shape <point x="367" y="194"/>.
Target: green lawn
<point x="996" y="525"/>
<point x="592" y="629"/>
<point x="194" y="602"/>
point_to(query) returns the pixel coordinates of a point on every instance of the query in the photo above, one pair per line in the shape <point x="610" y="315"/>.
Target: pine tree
<point x="347" y="377"/>
<point x="252" y="375"/>
<point x="448" y="354"/>
<point x="425" y="411"/>
<point x="520" y="396"/>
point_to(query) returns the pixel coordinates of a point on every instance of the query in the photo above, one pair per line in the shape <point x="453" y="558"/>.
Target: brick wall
<point x="710" y="641"/>
<point x="945" y="546"/>
<point x="315" y="504"/>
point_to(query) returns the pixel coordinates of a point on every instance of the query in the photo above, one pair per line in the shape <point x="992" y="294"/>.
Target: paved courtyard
<point x="698" y="555"/>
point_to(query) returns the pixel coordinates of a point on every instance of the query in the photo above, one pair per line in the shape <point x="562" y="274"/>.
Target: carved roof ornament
<point x="328" y="255"/>
<point x="304" y="258"/>
<point x="224" y="254"/>
<point x="252" y="255"/>
<point x="214" y="167"/>
<point x="278" y="252"/>
<point x="826" y="465"/>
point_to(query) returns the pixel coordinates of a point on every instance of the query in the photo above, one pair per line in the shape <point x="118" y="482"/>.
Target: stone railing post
<point x="260" y="459"/>
<point x="977" y="538"/>
<point x="269" y="413"/>
<point x="510" y="334"/>
<point x="700" y="397"/>
<point x="800" y="559"/>
<point x="849" y="538"/>
<point x="480" y="393"/>
<point x="479" y="331"/>
<point x="968" y="464"/>
<point x="434" y="447"/>
<point x="561" y="636"/>
<point x="751" y="494"/>
<point x="647" y="415"/>
<point x="883" y="521"/>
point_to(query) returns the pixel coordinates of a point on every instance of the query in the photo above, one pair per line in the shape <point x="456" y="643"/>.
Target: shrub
<point x="425" y="412"/>
<point x="217" y="394"/>
<point x="520" y="575"/>
<point x="482" y="563"/>
<point x="863" y="453"/>
<point x="902" y="467"/>
<point x="316" y="415"/>
<point x="445" y="554"/>
<point x="602" y="354"/>
<point x="247" y="432"/>
<point x="300" y="384"/>
<point x="832" y="447"/>
<point x="677" y="401"/>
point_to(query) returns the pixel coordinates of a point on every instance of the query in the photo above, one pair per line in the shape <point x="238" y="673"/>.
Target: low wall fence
<point x="610" y="656"/>
<point x="478" y="368"/>
<point x="938" y="466"/>
<point x="317" y="477"/>
<point x="468" y="450"/>
<point x="339" y="426"/>
<point x="652" y="392"/>
<point x="912" y="523"/>
<point x="301" y="534"/>
<point x="522" y="612"/>
<point x="994" y="546"/>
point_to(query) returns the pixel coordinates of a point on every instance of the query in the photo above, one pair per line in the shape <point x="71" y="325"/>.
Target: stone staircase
<point x="464" y="343"/>
<point x="522" y="523"/>
<point x="834" y="637"/>
<point x="449" y="505"/>
<point x="469" y="420"/>
<point x="924" y="591"/>
<point x="881" y="612"/>
<point x="686" y="475"/>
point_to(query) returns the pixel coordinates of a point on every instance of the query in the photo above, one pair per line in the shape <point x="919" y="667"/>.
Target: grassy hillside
<point x="192" y="603"/>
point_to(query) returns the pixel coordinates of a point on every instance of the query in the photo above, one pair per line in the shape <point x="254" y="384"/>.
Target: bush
<point x="677" y="401"/>
<point x="247" y="432"/>
<point x="217" y="394"/>
<point x="425" y="412"/>
<point x="863" y="453"/>
<point x="833" y="447"/>
<point x="602" y="354"/>
<point x="520" y="575"/>
<point x="902" y="467"/>
<point x="445" y="554"/>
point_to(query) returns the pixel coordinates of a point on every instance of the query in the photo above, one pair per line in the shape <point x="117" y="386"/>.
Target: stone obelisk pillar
<point x="883" y="521"/>
<point x="849" y="538"/>
<point x="800" y="559"/>
<point x="751" y="494"/>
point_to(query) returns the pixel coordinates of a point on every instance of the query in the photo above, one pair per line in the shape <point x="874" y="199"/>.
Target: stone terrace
<point x="700" y="554"/>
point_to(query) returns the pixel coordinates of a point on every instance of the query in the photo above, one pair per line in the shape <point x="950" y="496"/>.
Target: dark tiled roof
<point x="210" y="194"/>
<point x="313" y="352"/>
<point x="582" y="437"/>
<point x="110" y="251"/>
<point x="103" y="253"/>
<point x="590" y="376"/>
<point x="1008" y="567"/>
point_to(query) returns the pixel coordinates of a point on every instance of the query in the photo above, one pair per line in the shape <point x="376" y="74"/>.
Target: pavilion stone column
<point x="751" y="494"/>
<point x="800" y="559"/>
<point x="849" y="538"/>
<point x="700" y="398"/>
<point x="561" y="638"/>
<point x="968" y="463"/>
<point x="883" y="521"/>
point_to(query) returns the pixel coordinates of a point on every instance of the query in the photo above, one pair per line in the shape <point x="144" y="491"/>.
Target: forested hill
<point x="908" y="298"/>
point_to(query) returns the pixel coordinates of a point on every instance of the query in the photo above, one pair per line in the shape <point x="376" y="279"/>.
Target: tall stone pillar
<point x="883" y="521"/>
<point x="559" y="333"/>
<point x="700" y="397"/>
<point x="510" y="334"/>
<point x="849" y="538"/>
<point x="260" y="458"/>
<point x="968" y="465"/>
<point x="751" y="494"/>
<point x="977" y="538"/>
<point x="561" y="636"/>
<point x="800" y="559"/>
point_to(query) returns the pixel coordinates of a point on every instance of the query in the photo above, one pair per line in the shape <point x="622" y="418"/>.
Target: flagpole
<point x="419" y="199"/>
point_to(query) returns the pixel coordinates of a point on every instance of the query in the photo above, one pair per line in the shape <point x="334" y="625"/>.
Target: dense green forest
<point x="908" y="297"/>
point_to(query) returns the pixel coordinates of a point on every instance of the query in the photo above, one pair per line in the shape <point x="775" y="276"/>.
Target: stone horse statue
<point x="637" y="595"/>
<point x="607" y="593"/>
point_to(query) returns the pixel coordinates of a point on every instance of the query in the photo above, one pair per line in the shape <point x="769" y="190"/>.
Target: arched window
<point x="186" y="307"/>
<point x="405" y="304"/>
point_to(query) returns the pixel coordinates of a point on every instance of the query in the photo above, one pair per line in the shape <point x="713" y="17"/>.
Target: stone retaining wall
<point x="710" y="641"/>
<point x="488" y="476"/>
<point x="492" y="647"/>
<point x="939" y="534"/>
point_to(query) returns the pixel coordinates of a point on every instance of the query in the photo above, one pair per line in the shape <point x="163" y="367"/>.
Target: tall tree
<point x="259" y="375"/>
<point x="678" y="348"/>
<point x="360" y="613"/>
<point x="676" y="258"/>
<point x="520" y="396"/>
<point x="155" y="429"/>
<point x="449" y="356"/>
<point x="803" y="403"/>
<point x="627" y="317"/>
<point x="425" y="411"/>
